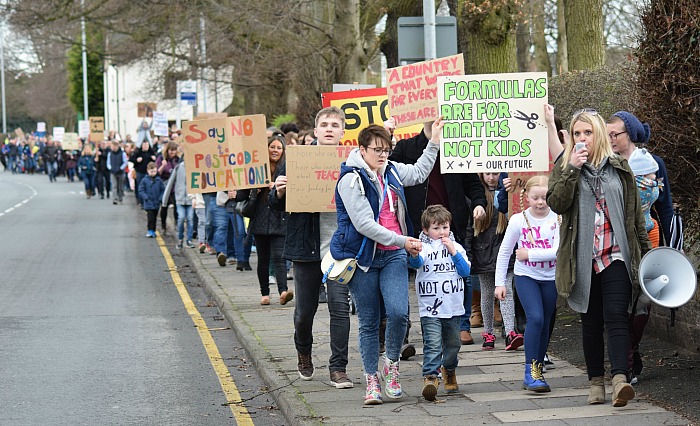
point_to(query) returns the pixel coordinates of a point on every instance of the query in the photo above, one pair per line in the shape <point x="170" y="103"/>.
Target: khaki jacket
<point x="562" y="198"/>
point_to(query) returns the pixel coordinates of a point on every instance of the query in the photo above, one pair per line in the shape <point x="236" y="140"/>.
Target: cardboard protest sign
<point x="70" y="141"/>
<point x="413" y="89"/>
<point x="226" y="154"/>
<point x="97" y="129"/>
<point x="362" y="108"/>
<point x="493" y="123"/>
<point x="145" y="109"/>
<point x="20" y="134"/>
<point x="312" y="172"/>
<point x="160" y="123"/>
<point x="41" y="127"/>
<point x="58" y="133"/>
<point x="209" y="116"/>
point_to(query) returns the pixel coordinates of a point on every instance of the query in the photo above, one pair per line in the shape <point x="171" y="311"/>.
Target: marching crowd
<point x="474" y="262"/>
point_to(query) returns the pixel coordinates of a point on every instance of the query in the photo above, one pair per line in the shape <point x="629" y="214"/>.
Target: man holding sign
<point x="308" y="240"/>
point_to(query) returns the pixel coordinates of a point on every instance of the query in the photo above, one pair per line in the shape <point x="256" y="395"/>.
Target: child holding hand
<point x="536" y="232"/>
<point x="441" y="265"/>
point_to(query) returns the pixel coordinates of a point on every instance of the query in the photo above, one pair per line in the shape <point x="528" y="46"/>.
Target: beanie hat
<point x="642" y="163"/>
<point x="638" y="132"/>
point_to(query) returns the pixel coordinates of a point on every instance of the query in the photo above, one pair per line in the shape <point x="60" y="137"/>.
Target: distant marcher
<point x="166" y="163"/>
<point x="116" y="164"/>
<point x="86" y="169"/>
<point x="141" y="158"/>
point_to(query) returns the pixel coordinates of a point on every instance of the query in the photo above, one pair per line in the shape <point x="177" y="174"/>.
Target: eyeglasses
<point x="590" y="111"/>
<point x="614" y="136"/>
<point x="380" y="151"/>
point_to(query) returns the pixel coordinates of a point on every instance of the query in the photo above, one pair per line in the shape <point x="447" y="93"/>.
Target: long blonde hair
<point x="600" y="148"/>
<point x="484" y="223"/>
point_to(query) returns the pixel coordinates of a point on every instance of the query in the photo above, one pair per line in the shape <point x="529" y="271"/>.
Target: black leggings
<point x="611" y="292"/>
<point x="271" y="247"/>
<point x="164" y="211"/>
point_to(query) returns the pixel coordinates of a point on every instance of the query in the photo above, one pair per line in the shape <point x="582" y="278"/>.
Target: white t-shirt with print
<point x="439" y="287"/>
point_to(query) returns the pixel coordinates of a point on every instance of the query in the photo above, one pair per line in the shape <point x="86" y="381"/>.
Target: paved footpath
<point x="489" y="381"/>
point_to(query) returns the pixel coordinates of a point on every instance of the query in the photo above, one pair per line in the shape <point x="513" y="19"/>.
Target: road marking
<point x="240" y="412"/>
<point x="23" y="202"/>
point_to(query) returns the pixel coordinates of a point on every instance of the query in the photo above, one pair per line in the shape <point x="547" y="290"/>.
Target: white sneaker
<point x="272" y="280"/>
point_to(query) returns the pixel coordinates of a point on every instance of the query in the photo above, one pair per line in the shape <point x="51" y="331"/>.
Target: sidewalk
<point x="489" y="381"/>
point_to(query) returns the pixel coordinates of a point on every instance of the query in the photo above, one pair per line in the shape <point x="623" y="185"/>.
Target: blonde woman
<point x="604" y="237"/>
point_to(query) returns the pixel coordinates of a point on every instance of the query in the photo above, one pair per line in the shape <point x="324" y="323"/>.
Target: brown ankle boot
<point x="597" y="395"/>
<point x="622" y="391"/>
<point x="476" y="320"/>
<point x="450" y="378"/>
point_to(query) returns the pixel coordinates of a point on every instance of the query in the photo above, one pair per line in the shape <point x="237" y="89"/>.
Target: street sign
<point x="188" y="91"/>
<point x="411" y="39"/>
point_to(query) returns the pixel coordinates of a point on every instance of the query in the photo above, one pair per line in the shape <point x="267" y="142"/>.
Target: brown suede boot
<point x="622" y="391"/>
<point x="597" y="395"/>
<point x="450" y="378"/>
<point x="476" y="320"/>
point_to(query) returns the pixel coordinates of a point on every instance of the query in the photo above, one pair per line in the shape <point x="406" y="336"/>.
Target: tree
<point x="584" y="34"/>
<point x="487" y="36"/>
<point x="95" y="83"/>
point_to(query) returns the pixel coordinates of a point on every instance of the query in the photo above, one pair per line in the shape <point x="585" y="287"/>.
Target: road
<point x="93" y="328"/>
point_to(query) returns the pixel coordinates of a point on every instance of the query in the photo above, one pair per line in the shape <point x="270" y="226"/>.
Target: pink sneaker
<point x="489" y="341"/>
<point x="513" y="341"/>
<point x="374" y="391"/>
<point x="390" y="375"/>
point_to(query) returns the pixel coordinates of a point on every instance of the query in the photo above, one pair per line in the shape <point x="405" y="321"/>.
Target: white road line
<point x="23" y="202"/>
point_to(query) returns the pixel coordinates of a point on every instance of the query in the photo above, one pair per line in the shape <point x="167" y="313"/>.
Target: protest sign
<point x="97" y="128"/>
<point x="362" y="108"/>
<point x="493" y="123"/>
<point x="312" y="172"/>
<point x="83" y="129"/>
<point x="146" y="109"/>
<point x="413" y="88"/>
<point x="160" y="123"/>
<point x="20" y="134"/>
<point x="70" y="141"/>
<point x="58" y="133"/>
<point x="226" y="154"/>
<point x="41" y="127"/>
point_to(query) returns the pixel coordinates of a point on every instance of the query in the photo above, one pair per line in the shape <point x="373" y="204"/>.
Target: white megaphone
<point x="667" y="276"/>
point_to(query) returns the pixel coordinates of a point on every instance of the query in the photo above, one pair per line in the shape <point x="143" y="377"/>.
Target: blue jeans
<point x="219" y="224"/>
<point x="201" y="222"/>
<point x="184" y="213"/>
<point x="51" y="167"/>
<point x="539" y="298"/>
<point x="237" y="245"/>
<point x="307" y="282"/>
<point x="388" y="278"/>
<point x="89" y="181"/>
<point x="440" y="343"/>
<point x="464" y="324"/>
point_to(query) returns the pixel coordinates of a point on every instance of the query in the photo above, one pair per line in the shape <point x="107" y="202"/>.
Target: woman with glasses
<point x="603" y="237"/>
<point x="373" y="226"/>
<point x="166" y="163"/>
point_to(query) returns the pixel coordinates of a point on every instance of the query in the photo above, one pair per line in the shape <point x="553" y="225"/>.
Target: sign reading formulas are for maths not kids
<point x="226" y="154"/>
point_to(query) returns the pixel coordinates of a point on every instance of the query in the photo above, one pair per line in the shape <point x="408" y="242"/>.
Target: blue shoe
<point x="534" y="380"/>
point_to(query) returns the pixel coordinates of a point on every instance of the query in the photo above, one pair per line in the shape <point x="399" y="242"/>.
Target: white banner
<point x="58" y="133"/>
<point x="160" y="123"/>
<point x="83" y="129"/>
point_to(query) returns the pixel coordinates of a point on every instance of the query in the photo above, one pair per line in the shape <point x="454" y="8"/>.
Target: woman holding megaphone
<point x="603" y="237"/>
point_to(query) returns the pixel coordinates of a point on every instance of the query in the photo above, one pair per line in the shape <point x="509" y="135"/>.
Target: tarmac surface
<point x="489" y="381"/>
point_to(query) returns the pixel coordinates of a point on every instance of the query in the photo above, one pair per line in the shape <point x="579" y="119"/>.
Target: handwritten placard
<point x="20" y="133"/>
<point x="225" y="154"/>
<point x="413" y="89"/>
<point x="70" y="141"/>
<point x="518" y="181"/>
<point x="97" y="129"/>
<point x="312" y="172"/>
<point x="493" y="122"/>
<point x="362" y="108"/>
<point x="209" y="116"/>
<point x="58" y="133"/>
<point x="160" y="123"/>
<point x="145" y="109"/>
<point x="83" y="129"/>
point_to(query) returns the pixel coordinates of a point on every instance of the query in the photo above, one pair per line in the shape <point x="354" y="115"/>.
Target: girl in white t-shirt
<point x="536" y="232"/>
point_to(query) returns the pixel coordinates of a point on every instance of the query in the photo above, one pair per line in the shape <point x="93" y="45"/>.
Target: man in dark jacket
<point x="308" y="239"/>
<point x="102" y="176"/>
<point x="116" y="163"/>
<point x="461" y="193"/>
<point x="51" y="160"/>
